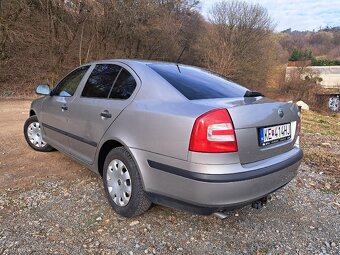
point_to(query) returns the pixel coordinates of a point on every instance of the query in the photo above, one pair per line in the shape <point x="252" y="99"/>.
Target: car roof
<point x="134" y="61"/>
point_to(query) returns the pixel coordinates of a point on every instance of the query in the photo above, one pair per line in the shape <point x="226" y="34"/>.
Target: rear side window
<point x="101" y="80"/>
<point x="196" y="83"/>
<point x="124" y="85"/>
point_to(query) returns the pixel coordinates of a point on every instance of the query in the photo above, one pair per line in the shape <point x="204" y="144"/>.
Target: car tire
<point x="32" y="132"/>
<point x="123" y="185"/>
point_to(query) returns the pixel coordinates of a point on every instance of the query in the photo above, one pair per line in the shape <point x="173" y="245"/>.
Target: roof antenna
<point x="179" y="57"/>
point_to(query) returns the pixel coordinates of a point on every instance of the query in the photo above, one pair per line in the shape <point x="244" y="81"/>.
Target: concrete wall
<point x="330" y="74"/>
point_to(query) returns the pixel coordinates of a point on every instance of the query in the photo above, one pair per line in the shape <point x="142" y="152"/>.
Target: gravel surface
<point x="52" y="205"/>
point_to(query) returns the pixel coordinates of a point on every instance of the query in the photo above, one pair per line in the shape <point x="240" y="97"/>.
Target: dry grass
<point x="313" y="122"/>
<point x="320" y="141"/>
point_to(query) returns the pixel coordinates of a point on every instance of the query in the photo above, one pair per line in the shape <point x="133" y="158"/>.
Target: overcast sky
<point x="295" y="14"/>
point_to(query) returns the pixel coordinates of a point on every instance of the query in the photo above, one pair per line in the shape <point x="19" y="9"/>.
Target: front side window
<point x="101" y="80"/>
<point x="124" y="86"/>
<point x="68" y="86"/>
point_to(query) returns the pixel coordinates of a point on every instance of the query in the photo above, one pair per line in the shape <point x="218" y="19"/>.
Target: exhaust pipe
<point x="220" y="215"/>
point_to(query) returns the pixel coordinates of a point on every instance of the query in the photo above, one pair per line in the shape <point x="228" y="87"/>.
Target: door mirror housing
<point x="43" y="89"/>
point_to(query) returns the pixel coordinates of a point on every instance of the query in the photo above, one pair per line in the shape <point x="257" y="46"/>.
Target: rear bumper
<point x="230" y="177"/>
<point x="204" y="193"/>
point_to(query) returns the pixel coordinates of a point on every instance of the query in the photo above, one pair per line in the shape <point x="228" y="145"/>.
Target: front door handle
<point x="64" y="108"/>
<point x="105" y="114"/>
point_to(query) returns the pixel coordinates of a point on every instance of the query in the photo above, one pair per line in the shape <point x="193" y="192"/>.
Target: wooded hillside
<point x="41" y="40"/>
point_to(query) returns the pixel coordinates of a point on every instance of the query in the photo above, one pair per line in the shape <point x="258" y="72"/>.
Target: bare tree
<point x="10" y="12"/>
<point x="64" y="22"/>
<point x="240" y="41"/>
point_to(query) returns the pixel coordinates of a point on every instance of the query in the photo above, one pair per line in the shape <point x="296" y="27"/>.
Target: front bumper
<point x="206" y="193"/>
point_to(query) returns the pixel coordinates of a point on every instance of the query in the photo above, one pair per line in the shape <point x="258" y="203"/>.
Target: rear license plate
<point x="274" y="134"/>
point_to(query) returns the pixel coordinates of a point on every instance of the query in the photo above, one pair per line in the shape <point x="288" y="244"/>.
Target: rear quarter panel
<point x="159" y="127"/>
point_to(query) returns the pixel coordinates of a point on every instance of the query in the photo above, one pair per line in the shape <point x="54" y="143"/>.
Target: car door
<point x="105" y="94"/>
<point x="54" y="114"/>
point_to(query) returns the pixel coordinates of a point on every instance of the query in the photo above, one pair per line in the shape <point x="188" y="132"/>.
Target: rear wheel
<point x="32" y="132"/>
<point x="123" y="185"/>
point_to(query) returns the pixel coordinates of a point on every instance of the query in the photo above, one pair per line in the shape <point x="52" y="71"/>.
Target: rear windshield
<point x="195" y="83"/>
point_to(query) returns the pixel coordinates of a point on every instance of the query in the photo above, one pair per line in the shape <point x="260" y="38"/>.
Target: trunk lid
<point x="249" y="114"/>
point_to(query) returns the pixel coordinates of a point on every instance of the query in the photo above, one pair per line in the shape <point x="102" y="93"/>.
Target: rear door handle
<point x="64" y="108"/>
<point x="105" y="114"/>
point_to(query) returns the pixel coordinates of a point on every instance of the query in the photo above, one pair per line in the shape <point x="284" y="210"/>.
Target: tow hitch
<point x="260" y="203"/>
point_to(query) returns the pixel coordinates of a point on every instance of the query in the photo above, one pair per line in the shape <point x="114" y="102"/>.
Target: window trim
<point x="116" y="81"/>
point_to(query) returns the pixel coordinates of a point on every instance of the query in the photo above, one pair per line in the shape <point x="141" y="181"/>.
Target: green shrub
<point x="325" y="62"/>
<point x="300" y="55"/>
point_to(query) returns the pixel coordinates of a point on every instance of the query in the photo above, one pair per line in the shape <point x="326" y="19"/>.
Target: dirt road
<point x="22" y="166"/>
<point x="50" y="204"/>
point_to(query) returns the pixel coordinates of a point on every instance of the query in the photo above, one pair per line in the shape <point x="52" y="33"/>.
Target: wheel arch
<point x="32" y="113"/>
<point x="106" y="147"/>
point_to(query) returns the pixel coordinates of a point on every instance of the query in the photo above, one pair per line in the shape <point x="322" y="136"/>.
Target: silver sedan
<point x="169" y="134"/>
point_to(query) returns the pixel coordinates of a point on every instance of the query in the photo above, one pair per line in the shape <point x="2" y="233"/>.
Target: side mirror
<point x="43" y="89"/>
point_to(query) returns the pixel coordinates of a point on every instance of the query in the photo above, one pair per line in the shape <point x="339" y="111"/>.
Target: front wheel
<point x="32" y="132"/>
<point x="123" y="185"/>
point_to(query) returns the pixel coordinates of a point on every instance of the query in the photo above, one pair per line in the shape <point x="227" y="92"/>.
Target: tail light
<point x="213" y="132"/>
